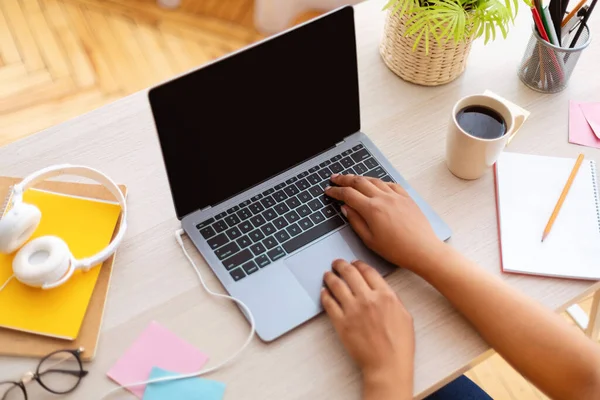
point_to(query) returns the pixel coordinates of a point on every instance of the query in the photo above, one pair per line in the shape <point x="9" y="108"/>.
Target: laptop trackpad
<point x="309" y="265"/>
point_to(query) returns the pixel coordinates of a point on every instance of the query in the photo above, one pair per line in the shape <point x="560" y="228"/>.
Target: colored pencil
<point x="559" y="69"/>
<point x="542" y="72"/>
<point x="547" y="20"/>
<point x="562" y="197"/>
<point x="539" y="24"/>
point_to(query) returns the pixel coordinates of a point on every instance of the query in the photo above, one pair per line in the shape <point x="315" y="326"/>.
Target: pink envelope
<point x="591" y="112"/>
<point x="580" y="130"/>
<point x="155" y="347"/>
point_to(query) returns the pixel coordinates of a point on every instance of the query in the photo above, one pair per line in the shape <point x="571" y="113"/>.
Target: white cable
<point x="178" y="237"/>
<point x="3" y="209"/>
<point x="6" y="283"/>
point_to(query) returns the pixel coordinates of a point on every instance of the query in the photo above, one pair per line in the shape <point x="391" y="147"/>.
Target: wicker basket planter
<point x="441" y="65"/>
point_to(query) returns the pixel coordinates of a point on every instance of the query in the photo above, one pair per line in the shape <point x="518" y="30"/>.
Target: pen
<point x="563" y="11"/>
<point x="549" y="25"/>
<point x="574" y="23"/>
<point x="555" y="12"/>
<point x="572" y="13"/>
<point x="583" y="24"/>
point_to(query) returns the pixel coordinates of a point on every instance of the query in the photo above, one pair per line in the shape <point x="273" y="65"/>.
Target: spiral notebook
<point x="527" y="189"/>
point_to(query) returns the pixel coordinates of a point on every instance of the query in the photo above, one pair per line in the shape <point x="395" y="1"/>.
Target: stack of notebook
<point x="35" y="322"/>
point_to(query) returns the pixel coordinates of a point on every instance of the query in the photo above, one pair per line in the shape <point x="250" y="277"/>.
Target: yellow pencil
<point x="566" y="20"/>
<point x="562" y="197"/>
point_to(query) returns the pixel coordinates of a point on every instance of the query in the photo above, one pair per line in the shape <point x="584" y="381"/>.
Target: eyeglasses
<point x="55" y="380"/>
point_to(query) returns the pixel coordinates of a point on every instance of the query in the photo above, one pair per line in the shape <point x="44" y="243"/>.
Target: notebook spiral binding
<point x="596" y="198"/>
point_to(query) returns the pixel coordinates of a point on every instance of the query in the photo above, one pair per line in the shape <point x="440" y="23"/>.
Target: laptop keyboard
<point x="284" y="218"/>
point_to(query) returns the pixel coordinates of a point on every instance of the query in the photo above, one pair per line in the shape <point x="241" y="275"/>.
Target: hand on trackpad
<point x="310" y="265"/>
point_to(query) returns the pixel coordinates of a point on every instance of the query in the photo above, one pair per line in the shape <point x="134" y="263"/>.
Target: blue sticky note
<point x="183" y="389"/>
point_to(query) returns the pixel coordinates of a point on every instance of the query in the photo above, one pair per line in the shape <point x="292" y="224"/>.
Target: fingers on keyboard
<point x="282" y="219"/>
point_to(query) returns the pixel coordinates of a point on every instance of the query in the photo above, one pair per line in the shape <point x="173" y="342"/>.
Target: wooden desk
<point x="153" y="281"/>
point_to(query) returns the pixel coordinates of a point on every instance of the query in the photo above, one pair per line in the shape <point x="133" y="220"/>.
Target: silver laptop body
<point x="278" y="272"/>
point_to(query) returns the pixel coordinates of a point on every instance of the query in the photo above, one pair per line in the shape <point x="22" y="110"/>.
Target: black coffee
<point x="481" y="122"/>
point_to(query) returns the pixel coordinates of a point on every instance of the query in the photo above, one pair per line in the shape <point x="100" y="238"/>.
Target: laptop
<point x="249" y="143"/>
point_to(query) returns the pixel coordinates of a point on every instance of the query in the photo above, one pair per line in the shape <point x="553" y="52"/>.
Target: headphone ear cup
<point x="42" y="261"/>
<point x="17" y="226"/>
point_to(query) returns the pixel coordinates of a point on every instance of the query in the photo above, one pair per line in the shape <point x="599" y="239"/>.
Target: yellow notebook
<point x="87" y="226"/>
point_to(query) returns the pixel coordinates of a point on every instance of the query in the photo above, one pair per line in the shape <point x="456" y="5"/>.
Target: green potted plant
<point x="428" y="41"/>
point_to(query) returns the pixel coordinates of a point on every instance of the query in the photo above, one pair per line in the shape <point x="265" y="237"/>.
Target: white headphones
<point x="47" y="262"/>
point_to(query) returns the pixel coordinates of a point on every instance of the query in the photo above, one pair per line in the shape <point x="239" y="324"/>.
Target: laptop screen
<point x="248" y="117"/>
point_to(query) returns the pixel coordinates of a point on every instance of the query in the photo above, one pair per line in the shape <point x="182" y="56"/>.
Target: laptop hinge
<point x="337" y="144"/>
<point x="206" y="208"/>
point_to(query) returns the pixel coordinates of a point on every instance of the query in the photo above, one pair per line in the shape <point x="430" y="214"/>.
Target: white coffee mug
<point x="469" y="157"/>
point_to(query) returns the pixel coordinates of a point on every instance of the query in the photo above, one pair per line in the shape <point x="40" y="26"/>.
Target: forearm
<point x="537" y="342"/>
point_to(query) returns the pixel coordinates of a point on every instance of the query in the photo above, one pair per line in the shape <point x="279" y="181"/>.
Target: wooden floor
<point x="62" y="58"/>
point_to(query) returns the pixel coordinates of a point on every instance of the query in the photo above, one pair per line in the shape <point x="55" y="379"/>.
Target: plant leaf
<point x="400" y="5"/>
<point x="389" y="4"/>
<point x="405" y="6"/>
<point x="416" y="27"/>
<point x="442" y="20"/>
<point x="396" y="7"/>
<point x="417" y="40"/>
<point x="441" y="34"/>
<point x="503" y="29"/>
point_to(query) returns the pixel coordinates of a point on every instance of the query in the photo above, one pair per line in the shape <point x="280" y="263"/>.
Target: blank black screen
<point x="241" y="120"/>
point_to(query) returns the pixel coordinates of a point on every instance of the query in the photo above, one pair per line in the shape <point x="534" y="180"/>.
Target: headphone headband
<point x="86" y="172"/>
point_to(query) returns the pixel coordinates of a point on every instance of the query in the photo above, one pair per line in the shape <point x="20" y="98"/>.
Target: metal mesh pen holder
<point x="547" y="68"/>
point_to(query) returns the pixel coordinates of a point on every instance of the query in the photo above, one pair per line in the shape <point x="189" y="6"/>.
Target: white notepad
<point x="527" y="189"/>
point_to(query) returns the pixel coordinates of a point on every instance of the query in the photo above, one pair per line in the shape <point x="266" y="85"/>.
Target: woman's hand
<point x="374" y="327"/>
<point x="386" y="218"/>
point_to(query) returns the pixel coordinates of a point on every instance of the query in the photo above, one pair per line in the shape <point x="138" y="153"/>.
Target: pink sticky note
<point x="155" y="347"/>
<point x="591" y="112"/>
<point x="580" y="131"/>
